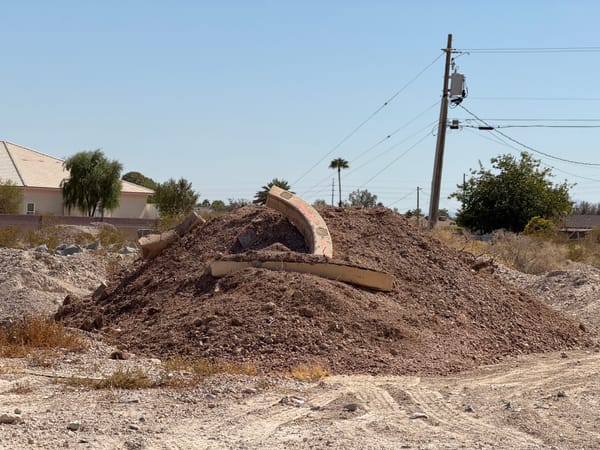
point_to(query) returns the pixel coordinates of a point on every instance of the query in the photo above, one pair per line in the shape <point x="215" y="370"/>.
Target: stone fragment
<point x="351" y="407"/>
<point x="418" y="415"/>
<point x="74" y="425"/>
<point x="9" y="419"/>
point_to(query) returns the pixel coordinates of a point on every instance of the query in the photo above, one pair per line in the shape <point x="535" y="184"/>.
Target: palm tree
<point x="339" y="164"/>
<point x="260" y="198"/>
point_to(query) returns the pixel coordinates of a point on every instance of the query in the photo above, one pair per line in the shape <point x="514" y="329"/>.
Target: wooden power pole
<point x="434" y="203"/>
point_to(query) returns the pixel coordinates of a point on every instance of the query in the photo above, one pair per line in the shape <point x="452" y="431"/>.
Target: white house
<point x="40" y="176"/>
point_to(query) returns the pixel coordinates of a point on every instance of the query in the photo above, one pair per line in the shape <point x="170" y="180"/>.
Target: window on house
<point x="30" y="208"/>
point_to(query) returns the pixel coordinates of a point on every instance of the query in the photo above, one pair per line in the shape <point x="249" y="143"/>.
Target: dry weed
<point x="20" y="387"/>
<point x="310" y="373"/>
<point x="29" y="334"/>
<point x="119" y="379"/>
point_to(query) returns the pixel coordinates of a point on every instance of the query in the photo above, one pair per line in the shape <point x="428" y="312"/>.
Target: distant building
<point x="577" y="226"/>
<point x="40" y="176"/>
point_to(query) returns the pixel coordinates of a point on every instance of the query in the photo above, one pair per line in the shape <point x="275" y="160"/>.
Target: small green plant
<point x="538" y="226"/>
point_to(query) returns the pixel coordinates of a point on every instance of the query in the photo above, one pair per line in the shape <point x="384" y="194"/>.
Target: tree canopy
<point x="94" y="183"/>
<point x="510" y="195"/>
<point x="140" y="179"/>
<point x="362" y="198"/>
<point x="260" y="198"/>
<point x="175" y="197"/>
<point x="11" y="197"/>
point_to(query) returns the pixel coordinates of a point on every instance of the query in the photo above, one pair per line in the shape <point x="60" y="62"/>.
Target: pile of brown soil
<point x="441" y="316"/>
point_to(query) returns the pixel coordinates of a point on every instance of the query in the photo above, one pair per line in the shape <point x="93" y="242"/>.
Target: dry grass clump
<point x="532" y="253"/>
<point x="309" y="373"/>
<point x="528" y="254"/>
<point x="9" y="236"/>
<point x="34" y="333"/>
<point x="20" y="388"/>
<point x="119" y="379"/>
<point x="110" y="237"/>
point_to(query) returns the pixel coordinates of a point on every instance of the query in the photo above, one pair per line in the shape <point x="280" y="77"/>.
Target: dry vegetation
<point x="529" y="253"/>
<point x="36" y="333"/>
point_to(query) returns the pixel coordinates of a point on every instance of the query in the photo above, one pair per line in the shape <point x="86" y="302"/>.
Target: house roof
<point x="584" y="221"/>
<point x="30" y="168"/>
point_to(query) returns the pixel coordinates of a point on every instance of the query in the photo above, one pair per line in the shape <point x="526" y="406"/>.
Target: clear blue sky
<point x="230" y="94"/>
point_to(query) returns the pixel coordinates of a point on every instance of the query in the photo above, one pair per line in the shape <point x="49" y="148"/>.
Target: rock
<point x="133" y="426"/>
<point x="307" y="312"/>
<point x="315" y="408"/>
<point x="507" y="405"/>
<point x="236" y="322"/>
<point x="129" y="400"/>
<point x="30" y="441"/>
<point x="100" y="292"/>
<point x="246" y="238"/>
<point x="564" y="355"/>
<point x="211" y="405"/>
<point x="128" y="250"/>
<point x="93" y="246"/>
<point x="9" y="419"/>
<point x="72" y="249"/>
<point x="118" y="355"/>
<point x="469" y="408"/>
<point x="418" y="415"/>
<point x="74" y="425"/>
<point x="351" y="407"/>
<point x="61" y="247"/>
<point x="249" y="391"/>
<point x="42" y="248"/>
<point x="561" y="394"/>
<point x="292" y="400"/>
<point x="17" y="411"/>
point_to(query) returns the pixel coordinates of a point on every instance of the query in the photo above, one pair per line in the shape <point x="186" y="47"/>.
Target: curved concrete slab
<point x="306" y="218"/>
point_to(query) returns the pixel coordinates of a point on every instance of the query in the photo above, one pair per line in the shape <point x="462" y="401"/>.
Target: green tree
<point x="339" y="164"/>
<point x="584" y="207"/>
<point x="218" y="205"/>
<point x="362" y="198"/>
<point x="11" y="197"/>
<point x="140" y="179"/>
<point x="260" y="198"/>
<point x="235" y="203"/>
<point x="94" y="183"/>
<point x="319" y="202"/>
<point x="510" y="195"/>
<point x="175" y="197"/>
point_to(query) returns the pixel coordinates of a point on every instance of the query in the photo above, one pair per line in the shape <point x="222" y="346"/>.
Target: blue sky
<point x="230" y="94"/>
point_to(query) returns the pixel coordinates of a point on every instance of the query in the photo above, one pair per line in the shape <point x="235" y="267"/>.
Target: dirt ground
<point x="524" y="400"/>
<point x="530" y="402"/>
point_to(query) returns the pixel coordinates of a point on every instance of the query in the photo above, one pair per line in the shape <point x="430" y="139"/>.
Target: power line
<point x="379" y="143"/>
<point x="527" y="146"/>
<point x="368" y="119"/>
<point x="560" y="99"/>
<point x="404" y="197"/>
<point x="537" y="126"/>
<point x="497" y="140"/>
<point x="531" y="50"/>
<point x="387" y="166"/>
<point x="530" y="119"/>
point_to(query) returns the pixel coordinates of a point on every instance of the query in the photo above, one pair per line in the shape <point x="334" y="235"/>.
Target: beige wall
<point x="49" y="201"/>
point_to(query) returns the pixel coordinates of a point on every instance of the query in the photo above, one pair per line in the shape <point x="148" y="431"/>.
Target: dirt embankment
<point x="442" y="316"/>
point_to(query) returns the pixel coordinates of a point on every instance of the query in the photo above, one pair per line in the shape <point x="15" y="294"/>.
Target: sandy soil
<point x="531" y="402"/>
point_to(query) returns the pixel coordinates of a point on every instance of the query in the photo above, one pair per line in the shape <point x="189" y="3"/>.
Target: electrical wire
<point x="531" y="50"/>
<point x="387" y="166"/>
<point x="368" y="119"/>
<point x="404" y="197"/>
<point x="537" y="126"/>
<point x="528" y="147"/>
<point x="320" y="182"/>
<point x="502" y="142"/>
<point x="570" y="99"/>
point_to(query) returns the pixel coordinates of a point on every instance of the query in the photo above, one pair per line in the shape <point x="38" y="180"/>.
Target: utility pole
<point x="332" y="190"/>
<point x="418" y="208"/>
<point x="436" y="181"/>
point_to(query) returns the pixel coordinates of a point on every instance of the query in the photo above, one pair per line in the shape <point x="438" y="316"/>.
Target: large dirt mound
<point x="441" y="316"/>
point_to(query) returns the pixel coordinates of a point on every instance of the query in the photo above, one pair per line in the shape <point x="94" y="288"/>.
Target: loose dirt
<point x="442" y="315"/>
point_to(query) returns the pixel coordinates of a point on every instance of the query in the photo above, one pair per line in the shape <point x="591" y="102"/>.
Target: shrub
<point x="540" y="227"/>
<point x="9" y="237"/>
<point x="310" y="373"/>
<point x="32" y="333"/>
